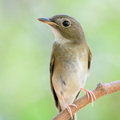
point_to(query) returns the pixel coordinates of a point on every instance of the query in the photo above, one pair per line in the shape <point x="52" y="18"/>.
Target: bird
<point x="70" y="61"/>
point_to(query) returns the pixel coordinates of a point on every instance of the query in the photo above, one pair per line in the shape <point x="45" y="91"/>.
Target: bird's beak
<point x="47" y="21"/>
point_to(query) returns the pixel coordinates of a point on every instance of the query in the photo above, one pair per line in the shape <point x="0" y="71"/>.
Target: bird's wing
<point x="89" y="58"/>
<point x="52" y="63"/>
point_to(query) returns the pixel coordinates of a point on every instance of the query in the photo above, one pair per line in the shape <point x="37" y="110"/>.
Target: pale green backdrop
<point x="25" y="46"/>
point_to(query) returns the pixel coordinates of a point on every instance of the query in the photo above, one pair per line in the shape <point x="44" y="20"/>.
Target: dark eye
<point x="66" y="23"/>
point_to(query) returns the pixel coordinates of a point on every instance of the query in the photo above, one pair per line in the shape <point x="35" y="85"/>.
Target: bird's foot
<point x="69" y="109"/>
<point x="67" y="106"/>
<point x="90" y="95"/>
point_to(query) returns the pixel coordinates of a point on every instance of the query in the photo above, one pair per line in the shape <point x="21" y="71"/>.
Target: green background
<point x="25" y="47"/>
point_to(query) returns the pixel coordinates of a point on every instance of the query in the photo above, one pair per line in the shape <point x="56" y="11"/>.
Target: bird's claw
<point x="90" y="95"/>
<point x="69" y="109"/>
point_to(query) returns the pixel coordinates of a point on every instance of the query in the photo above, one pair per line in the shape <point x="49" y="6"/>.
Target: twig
<point x="101" y="90"/>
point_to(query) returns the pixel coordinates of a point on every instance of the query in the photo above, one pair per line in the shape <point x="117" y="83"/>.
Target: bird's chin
<point x="57" y="34"/>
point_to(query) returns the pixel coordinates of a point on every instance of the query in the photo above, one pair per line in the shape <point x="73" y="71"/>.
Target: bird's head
<point x="64" y="26"/>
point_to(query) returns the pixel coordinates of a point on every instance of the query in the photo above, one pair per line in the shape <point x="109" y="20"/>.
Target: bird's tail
<point x="74" y="117"/>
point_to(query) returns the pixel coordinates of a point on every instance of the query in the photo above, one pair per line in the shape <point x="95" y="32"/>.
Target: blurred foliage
<point x="25" y="46"/>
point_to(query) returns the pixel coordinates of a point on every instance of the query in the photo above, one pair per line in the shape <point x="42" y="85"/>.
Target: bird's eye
<point x="66" y="23"/>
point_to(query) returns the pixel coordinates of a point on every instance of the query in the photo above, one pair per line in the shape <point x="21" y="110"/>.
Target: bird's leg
<point x="90" y="94"/>
<point x="68" y="107"/>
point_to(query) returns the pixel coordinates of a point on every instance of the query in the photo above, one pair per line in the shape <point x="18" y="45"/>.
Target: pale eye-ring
<point x="66" y="23"/>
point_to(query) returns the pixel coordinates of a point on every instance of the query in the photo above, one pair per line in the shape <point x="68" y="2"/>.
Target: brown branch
<point x="101" y="90"/>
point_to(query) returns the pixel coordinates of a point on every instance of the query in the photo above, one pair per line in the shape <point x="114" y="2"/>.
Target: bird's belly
<point x="68" y="79"/>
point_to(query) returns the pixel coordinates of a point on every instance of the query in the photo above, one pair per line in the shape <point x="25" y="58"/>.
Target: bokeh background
<point x="25" y="47"/>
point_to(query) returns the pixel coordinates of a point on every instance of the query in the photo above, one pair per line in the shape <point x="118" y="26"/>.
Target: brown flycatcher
<point x="70" y="61"/>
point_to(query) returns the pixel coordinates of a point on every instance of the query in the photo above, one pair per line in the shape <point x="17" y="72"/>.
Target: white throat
<point x="58" y="37"/>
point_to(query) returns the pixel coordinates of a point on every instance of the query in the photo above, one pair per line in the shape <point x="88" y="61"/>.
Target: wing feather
<point x="52" y="64"/>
